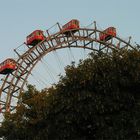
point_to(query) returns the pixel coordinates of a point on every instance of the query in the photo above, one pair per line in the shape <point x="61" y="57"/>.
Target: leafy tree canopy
<point x="98" y="99"/>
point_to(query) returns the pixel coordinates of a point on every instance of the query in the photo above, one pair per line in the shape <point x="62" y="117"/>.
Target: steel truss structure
<point x="13" y="84"/>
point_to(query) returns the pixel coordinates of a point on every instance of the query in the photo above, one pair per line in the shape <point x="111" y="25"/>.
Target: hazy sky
<point x="18" y="18"/>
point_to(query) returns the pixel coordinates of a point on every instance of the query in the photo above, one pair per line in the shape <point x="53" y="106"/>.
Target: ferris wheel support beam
<point x="13" y="84"/>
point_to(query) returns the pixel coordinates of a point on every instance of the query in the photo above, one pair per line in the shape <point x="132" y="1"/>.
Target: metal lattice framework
<point x="13" y="84"/>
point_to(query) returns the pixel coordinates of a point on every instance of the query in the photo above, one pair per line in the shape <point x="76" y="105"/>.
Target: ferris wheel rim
<point x="60" y="34"/>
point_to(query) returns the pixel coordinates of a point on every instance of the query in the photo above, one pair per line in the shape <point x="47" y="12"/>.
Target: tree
<point x="98" y="99"/>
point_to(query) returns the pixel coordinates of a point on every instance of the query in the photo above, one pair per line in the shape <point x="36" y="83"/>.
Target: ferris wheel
<point x="38" y="45"/>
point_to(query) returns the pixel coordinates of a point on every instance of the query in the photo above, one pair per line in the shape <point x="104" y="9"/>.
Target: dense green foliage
<point x="98" y="99"/>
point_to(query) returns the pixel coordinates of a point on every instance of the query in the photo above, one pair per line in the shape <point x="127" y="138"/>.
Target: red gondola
<point x="35" y="37"/>
<point x="8" y="66"/>
<point x="73" y="24"/>
<point x="107" y="34"/>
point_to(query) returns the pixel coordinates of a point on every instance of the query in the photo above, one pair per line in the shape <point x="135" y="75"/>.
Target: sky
<point x="18" y="18"/>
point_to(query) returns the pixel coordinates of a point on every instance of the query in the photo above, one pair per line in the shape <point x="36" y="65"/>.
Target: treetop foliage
<point x="97" y="99"/>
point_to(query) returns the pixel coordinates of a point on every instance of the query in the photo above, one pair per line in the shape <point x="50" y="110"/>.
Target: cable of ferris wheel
<point x="59" y="58"/>
<point x="91" y="24"/>
<point x="69" y="56"/>
<point x="52" y="26"/>
<point x="42" y="77"/>
<point x="38" y="79"/>
<point x="47" y="69"/>
<point x="72" y="54"/>
<point x="48" y="66"/>
<point x="59" y="62"/>
<point x="20" y="45"/>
